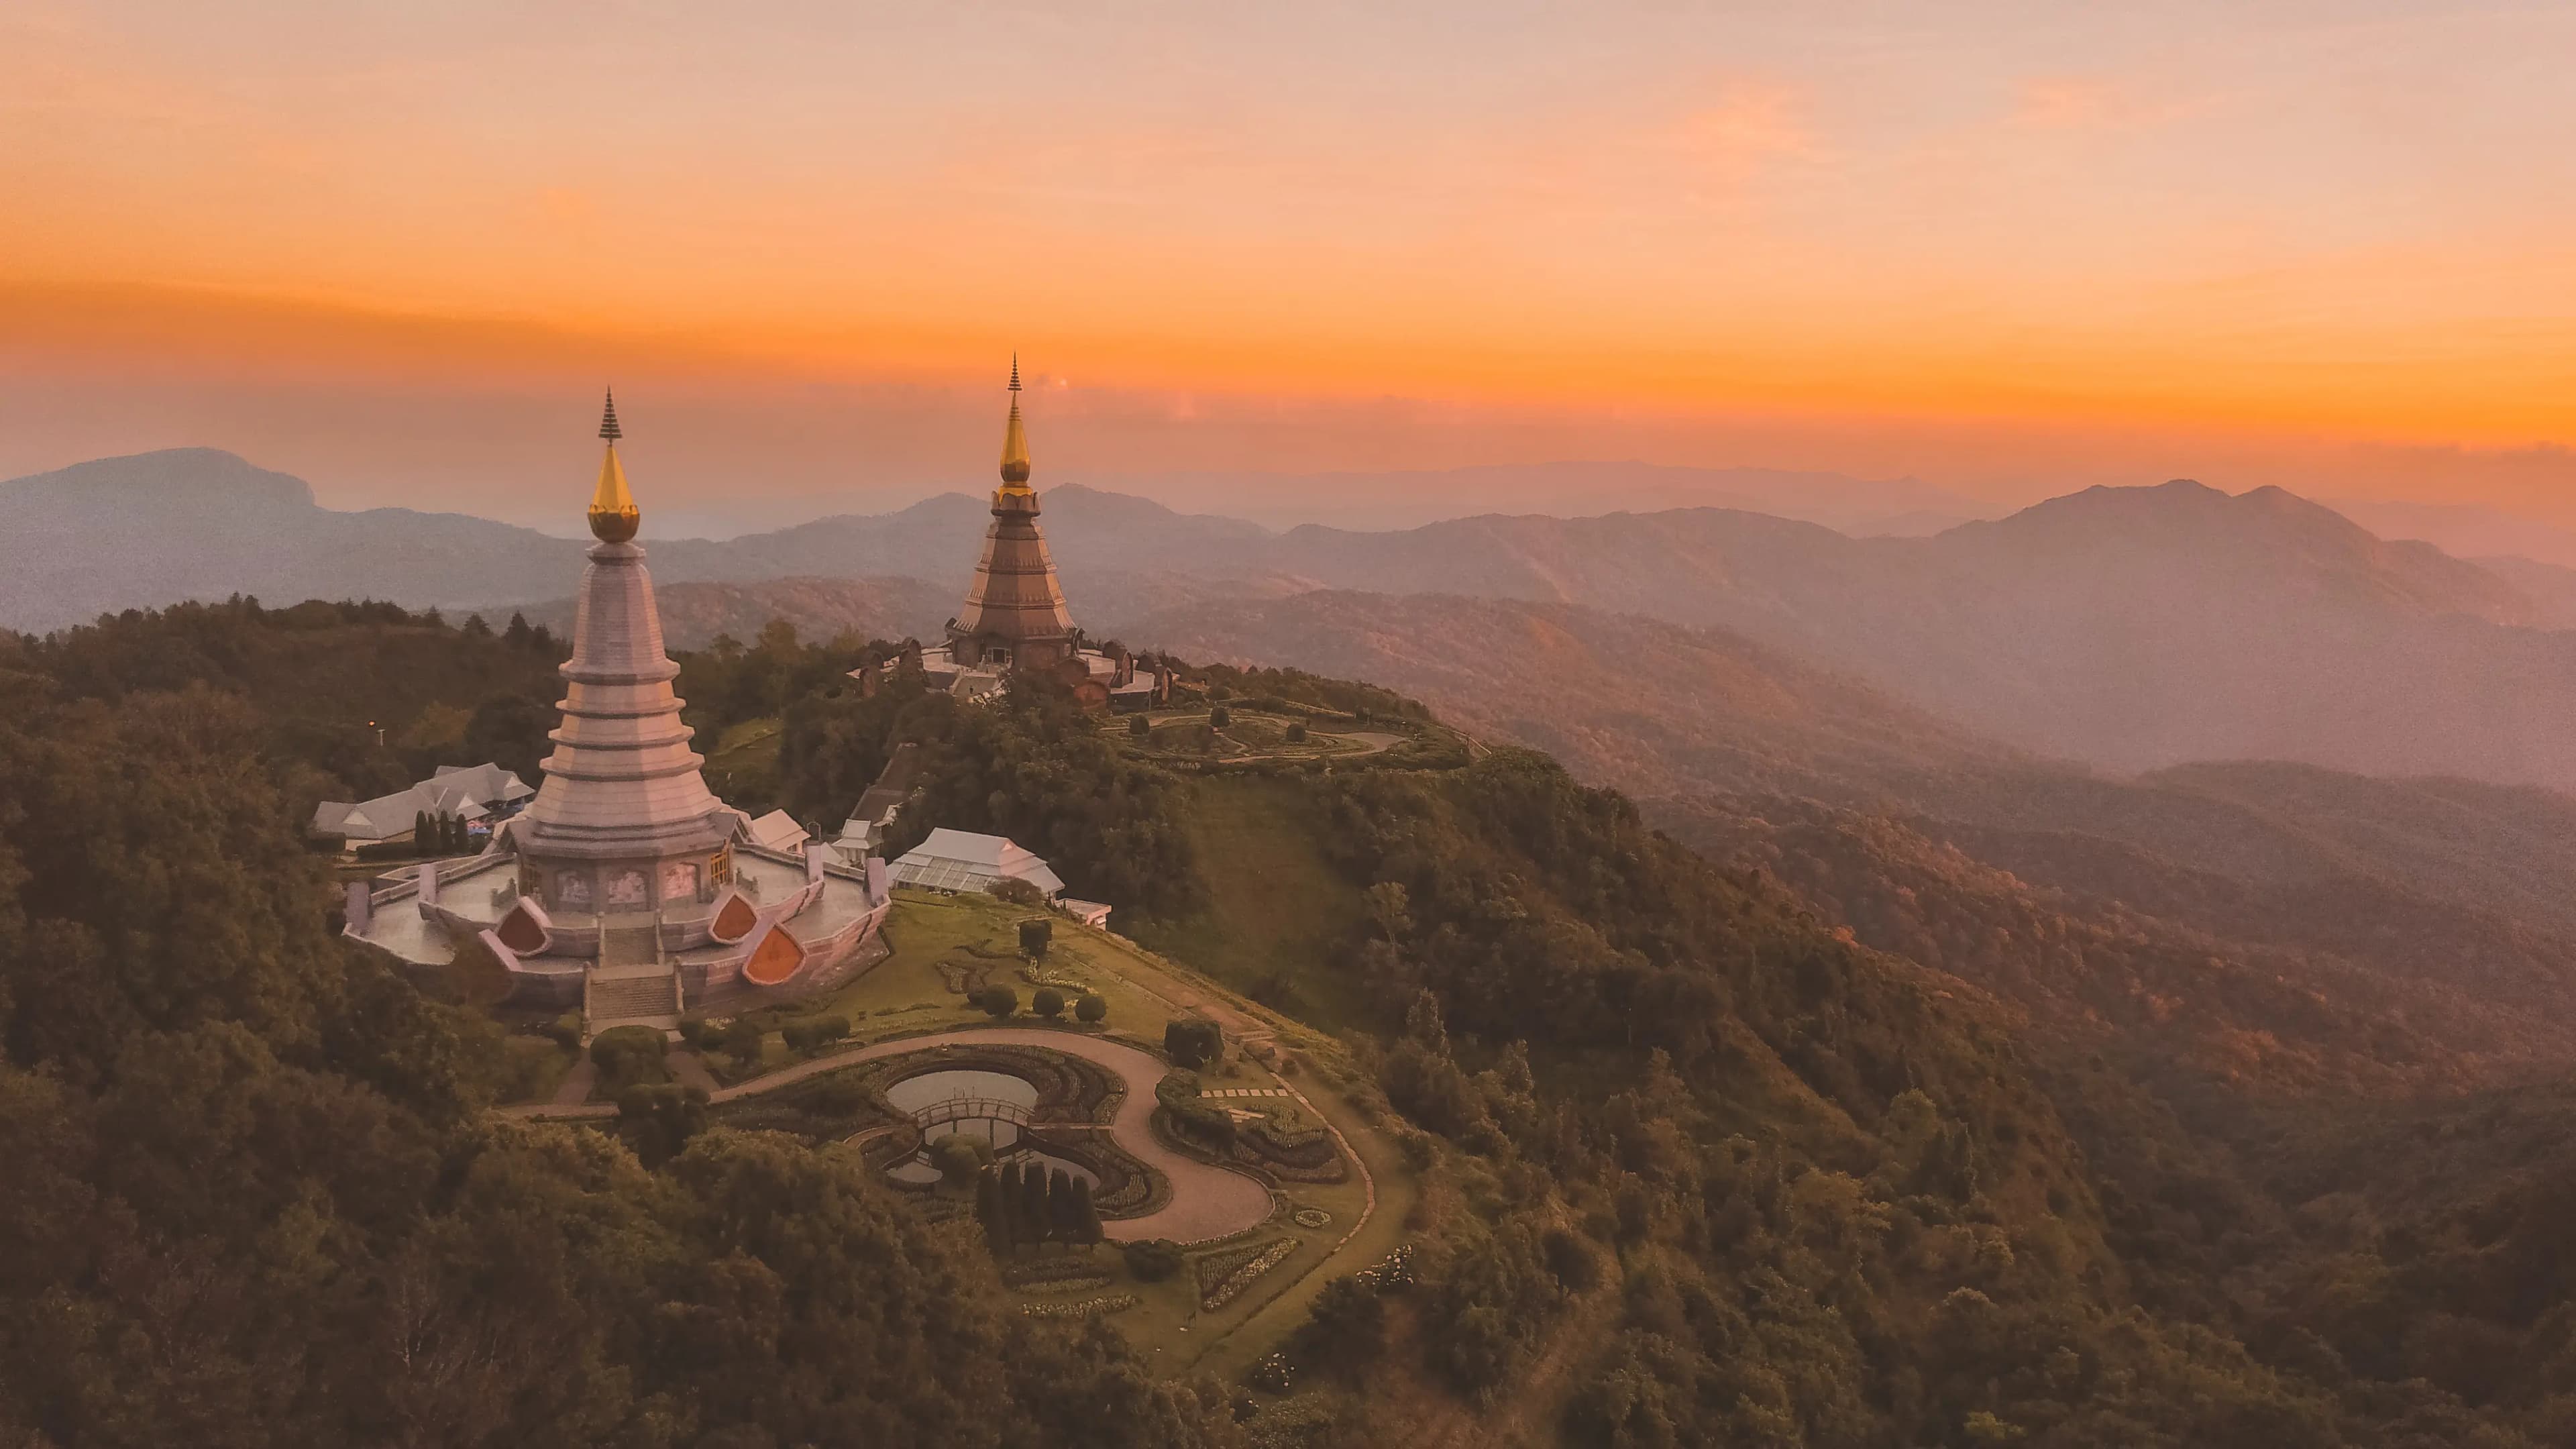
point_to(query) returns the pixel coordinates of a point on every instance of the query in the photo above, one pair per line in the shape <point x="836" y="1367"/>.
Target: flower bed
<point x="1099" y="1307"/>
<point x="1390" y="1274"/>
<point x="1222" y="1277"/>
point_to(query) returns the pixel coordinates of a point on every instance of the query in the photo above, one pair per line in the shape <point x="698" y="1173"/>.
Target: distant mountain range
<point x="2132" y="628"/>
<point x="1862" y="507"/>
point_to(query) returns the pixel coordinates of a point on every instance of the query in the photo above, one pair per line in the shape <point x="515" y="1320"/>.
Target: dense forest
<point x="254" y="1197"/>
<point x="1788" y="1155"/>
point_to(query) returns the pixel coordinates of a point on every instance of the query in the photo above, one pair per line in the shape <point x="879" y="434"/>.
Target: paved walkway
<point x="1207" y="1201"/>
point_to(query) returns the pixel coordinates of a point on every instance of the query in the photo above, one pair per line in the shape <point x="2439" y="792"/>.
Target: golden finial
<point x="613" y="514"/>
<point x="1015" y="441"/>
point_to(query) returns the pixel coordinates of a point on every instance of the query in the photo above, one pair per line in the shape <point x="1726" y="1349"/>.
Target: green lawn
<point x="743" y="765"/>
<point x="907" y="992"/>
<point x="1277" y="910"/>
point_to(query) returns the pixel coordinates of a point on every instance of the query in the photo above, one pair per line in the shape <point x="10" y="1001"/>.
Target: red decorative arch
<point x="734" y="919"/>
<point x="524" y="928"/>
<point x="774" y="960"/>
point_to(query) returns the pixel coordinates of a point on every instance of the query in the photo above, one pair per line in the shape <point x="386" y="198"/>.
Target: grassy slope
<point x="743" y="766"/>
<point x="1275" y="907"/>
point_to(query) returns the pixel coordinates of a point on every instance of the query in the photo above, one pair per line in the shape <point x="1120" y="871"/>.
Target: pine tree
<point x="1013" y="1193"/>
<point x="1086" y="1216"/>
<point x="1033" y="1203"/>
<point x="1062" y="1215"/>
<point x="988" y="1211"/>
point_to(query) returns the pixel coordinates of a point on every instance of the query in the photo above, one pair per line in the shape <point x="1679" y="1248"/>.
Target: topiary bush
<point x="1139" y="727"/>
<point x="1220" y="717"/>
<point x="1193" y="1041"/>
<point x="810" y="1033"/>
<point x="1034" y="936"/>
<point x="1297" y="733"/>
<point x="628" y="1056"/>
<point x="1092" y="1007"/>
<point x="998" y="1002"/>
<point x="1047" y="1002"/>
<point x="742" y="1040"/>
<point x="565" y="1031"/>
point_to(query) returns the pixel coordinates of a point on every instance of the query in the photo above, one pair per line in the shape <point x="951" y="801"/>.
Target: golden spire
<point x="1015" y="442"/>
<point x="613" y="514"/>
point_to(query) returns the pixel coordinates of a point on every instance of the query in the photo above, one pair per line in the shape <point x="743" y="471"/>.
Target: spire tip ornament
<point x="1015" y="440"/>
<point x="613" y="514"/>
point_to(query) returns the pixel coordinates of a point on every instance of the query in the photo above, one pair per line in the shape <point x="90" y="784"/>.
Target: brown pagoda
<point x="1014" y="616"/>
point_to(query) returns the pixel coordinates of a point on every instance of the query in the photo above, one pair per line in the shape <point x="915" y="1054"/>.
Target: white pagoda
<point x="626" y="885"/>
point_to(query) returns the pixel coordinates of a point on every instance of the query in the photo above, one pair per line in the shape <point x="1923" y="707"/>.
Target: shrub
<point x="812" y="1032"/>
<point x="1018" y="893"/>
<point x="1346" y="1327"/>
<point x="1220" y="717"/>
<point x="566" y="1031"/>
<point x="998" y="1001"/>
<point x="1212" y="1125"/>
<point x="1569" y="1261"/>
<point x="695" y="1031"/>
<point x="959" y="1156"/>
<point x="659" y="1119"/>
<point x="1153" y="1259"/>
<point x="841" y="1092"/>
<point x="1297" y="733"/>
<point x="1092" y="1007"/>
<point x="742" y="1040"/>
<point x="1047" y="1001"/>
<point x="1139" y="727"/>
<point x="1034" y="936"/>
<point x="628" y="1055"/>
<point x="1193" y="1041"/>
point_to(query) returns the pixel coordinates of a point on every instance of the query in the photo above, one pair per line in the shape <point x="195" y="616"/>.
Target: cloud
<point x="2094" y="103"/>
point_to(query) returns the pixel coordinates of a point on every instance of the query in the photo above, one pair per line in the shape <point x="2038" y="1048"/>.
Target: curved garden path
<point x="1207" y="1201"/>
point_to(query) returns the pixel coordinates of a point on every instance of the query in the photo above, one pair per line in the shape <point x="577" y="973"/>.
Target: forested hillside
<point x="254" y="1197"/>
<point x="1701" y="1162"/>
<point x="1720" y="1167"/>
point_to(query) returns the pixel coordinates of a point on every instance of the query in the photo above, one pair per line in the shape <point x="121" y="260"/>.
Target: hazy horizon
<point x="2009" y="251"/>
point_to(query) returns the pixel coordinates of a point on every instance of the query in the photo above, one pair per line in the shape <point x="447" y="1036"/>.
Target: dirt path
<point x="1207" y="1201"/>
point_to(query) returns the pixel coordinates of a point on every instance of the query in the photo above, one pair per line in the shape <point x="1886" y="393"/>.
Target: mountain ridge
<point x="2131" y="628"/>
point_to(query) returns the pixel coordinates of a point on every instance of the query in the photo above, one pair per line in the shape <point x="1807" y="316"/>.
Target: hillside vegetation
<point x="1702" y="1160"/>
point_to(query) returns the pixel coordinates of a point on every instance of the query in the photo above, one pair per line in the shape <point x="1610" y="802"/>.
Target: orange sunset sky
<point x="2008" y="249"/>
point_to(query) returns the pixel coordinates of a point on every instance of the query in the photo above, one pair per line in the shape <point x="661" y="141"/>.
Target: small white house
<point x="778" y="831"/>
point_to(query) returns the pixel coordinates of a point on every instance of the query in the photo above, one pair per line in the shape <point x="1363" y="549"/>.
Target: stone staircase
<point x="632" y="985"/>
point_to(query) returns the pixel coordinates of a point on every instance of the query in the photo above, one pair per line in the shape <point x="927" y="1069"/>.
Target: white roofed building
<point x="960" y="860"/>
<point x="472" y="793"/>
